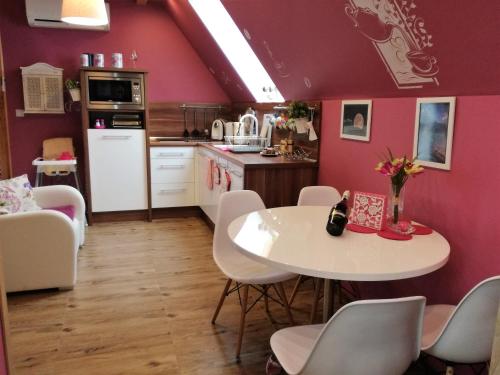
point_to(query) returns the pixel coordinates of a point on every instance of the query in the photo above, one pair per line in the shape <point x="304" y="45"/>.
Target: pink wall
<point x="299" y="39"/>
<point x="461" y="204"/>
<point x="176" y="71"/>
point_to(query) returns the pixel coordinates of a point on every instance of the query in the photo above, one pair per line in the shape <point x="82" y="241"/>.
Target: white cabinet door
<point x="207" y="197"/>
<point x="117" y="164"/>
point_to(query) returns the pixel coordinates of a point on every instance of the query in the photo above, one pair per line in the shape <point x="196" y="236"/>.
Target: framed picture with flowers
<point x="433" y="138"/>
<point x="356" y="119"/>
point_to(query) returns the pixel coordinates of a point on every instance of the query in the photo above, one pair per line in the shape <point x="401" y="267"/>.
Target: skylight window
<point x="237" y="50"/>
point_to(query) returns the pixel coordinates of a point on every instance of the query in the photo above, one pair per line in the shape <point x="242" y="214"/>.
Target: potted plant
<point x="298" y="114"/>
<point x="73" y="89"/>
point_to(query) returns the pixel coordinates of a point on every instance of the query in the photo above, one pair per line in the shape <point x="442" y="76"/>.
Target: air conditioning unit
<point x="47" y="13"/>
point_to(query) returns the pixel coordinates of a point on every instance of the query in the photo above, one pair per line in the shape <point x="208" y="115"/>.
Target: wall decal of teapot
<point x="400" y="38"/>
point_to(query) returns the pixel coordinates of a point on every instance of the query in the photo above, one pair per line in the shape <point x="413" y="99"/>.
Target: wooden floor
<point x="142" y="305"/>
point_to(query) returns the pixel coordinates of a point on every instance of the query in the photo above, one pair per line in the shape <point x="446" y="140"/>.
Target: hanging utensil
<point x="195" y="133"/>
<point x="185" y="134"/>
<point x="205" y="129"/>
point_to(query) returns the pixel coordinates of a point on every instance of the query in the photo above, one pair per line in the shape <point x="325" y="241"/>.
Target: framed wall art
<point x="356" y="119"/>
<point x="433" y="140"/>
<point x="369" y="210"/>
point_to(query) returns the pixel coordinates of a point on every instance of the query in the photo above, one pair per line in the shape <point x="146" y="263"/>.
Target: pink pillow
<point x="69" y="210"/>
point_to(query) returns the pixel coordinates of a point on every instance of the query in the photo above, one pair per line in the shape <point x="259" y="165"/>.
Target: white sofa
<point x="40" y="248"/>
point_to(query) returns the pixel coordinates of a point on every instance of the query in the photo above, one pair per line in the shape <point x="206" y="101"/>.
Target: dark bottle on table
<point x="337" y="219"/>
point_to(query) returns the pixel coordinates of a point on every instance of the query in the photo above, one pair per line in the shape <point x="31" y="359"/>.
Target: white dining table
<point x="294" y="239"/>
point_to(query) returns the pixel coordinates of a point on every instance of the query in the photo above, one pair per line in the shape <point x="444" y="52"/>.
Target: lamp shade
<point x="84" y="12"/>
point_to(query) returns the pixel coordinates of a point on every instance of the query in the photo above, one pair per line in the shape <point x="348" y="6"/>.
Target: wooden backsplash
<point x="167" y="120"/>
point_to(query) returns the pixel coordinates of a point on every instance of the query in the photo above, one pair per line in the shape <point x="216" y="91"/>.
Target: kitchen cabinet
<point x="117" y="168"/>
<point x="208" y="197"/>
<point x="180" y="176"/>
<point x="173" y="177"/>
<point x="43" y="89"/>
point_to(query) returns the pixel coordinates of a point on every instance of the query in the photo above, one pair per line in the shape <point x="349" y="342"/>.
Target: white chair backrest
<point x="232" y="204"/>
<point x="468" y="335"/>
<point x="376" y="337"/>
<point x="318" y="196"/>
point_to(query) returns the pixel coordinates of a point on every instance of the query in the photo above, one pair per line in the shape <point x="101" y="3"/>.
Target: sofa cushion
<point x="16" y="195"/>
<point x="68" y="210"/>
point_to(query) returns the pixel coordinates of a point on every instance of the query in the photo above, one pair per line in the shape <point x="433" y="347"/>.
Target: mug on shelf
<point x="117" y="60"/>
<point x="99" y="60"/>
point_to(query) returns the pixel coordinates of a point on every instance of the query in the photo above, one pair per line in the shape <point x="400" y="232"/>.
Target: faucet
<point x="256" y="123"/>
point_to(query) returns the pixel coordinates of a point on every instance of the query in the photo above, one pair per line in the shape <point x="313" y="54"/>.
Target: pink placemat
<point x="360" y="229"/>
<point x="390" y="235"/>
<point x="421" y="230"/>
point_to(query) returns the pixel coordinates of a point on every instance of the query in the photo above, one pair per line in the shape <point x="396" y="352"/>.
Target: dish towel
<point x="216" y="174"/>
<point x="210" y="176"/>
<point x="226" y="185"/>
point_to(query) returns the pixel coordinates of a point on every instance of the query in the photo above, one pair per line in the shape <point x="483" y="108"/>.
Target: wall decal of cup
<point x="400" y="38"/>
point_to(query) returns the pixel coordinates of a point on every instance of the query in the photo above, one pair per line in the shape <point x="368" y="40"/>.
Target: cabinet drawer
<point x="172" y="195"/>
<point x="172" y="152"/>
<point x="172" y="170"/>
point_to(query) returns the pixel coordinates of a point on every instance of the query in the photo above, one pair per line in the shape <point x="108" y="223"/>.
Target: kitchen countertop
<point x="246" y="160"/>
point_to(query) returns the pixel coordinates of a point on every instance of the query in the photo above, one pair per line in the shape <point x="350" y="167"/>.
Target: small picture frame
<point x="369" y="210"/>
<point x="433" y="139"/>
<point x="356" y="118"/>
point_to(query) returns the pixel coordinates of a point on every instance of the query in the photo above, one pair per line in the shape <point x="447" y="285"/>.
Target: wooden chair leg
<point x="221" y="300"/>
<point x="317" y="290"/>
<point x="295" y="290"/>
<point x="266" y="298"/>
<point x="244" y="302"/>
<point x="281" y="291"/>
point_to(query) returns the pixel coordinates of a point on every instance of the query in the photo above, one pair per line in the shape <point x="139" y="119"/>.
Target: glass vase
<point x="395" y="219"/>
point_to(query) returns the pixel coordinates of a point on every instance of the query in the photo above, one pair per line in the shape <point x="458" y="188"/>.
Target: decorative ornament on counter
<point x="337" y="219"/>
<point x="369" y="210"/>
<point x="398" y="169"/>
<point x="134" y="57"/>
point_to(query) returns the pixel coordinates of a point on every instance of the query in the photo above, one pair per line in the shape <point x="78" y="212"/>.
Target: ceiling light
<point x="84" y="12"/>
<point x="237" y="50"/>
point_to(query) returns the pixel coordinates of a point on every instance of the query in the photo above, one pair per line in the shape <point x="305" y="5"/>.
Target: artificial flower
<point x="398" y="169"/>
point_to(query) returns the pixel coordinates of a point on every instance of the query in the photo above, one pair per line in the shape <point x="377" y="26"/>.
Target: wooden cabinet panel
<point x="280" y="186"/>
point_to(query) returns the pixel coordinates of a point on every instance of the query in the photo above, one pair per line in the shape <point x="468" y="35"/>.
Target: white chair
<point x="376" y="337"/>
<point x="238" y="268"/>
<point x="39" y="248"/>
<point x="318" y="196"/>
<point x="463" y="334"/>
<point x="314" y="196"/>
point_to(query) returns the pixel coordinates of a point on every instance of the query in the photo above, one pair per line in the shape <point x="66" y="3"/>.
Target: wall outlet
<point x="19" y="112"/>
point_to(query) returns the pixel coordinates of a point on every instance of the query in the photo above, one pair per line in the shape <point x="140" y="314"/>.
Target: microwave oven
<point x="115" y="90"/>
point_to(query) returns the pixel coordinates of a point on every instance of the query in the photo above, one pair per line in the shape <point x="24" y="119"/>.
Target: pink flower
<point x="386" y="168"/>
